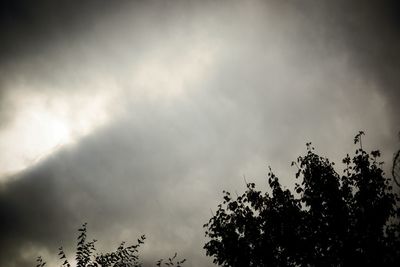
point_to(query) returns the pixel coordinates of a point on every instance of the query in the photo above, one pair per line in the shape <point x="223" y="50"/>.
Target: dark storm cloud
<point x="370" y="32"/>
<point x="286" y="72"/>
<point x="31" y="27"/>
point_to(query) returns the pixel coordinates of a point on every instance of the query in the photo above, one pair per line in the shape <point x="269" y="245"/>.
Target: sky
<point x="133" y="116"/>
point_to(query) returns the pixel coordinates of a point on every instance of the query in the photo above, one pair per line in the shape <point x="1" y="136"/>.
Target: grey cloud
<point x="369" y="32"/>
<point x="285" y="72"/>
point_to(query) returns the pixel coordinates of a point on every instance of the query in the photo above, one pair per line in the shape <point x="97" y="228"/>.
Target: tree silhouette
<point x="396" y="167"/>
<point x="124" y="256"/>
<point x="330" y="220"/>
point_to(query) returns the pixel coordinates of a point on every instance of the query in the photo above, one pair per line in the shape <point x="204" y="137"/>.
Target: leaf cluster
<point x="123" y="256"/>
<point x="171" y="261"/>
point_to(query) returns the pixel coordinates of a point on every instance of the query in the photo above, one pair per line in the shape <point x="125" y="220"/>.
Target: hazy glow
<point x="44" y="124"/>
<point x="47" y="120"/>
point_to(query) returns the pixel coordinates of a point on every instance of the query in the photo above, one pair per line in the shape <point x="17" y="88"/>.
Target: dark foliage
<point x="330" y="220"/>
<point x="171" y="262"/>
<point x="124" y="256"/>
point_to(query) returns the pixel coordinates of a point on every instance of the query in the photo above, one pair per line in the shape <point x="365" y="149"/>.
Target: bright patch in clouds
<point x="45" y="122"/>
<point x="47" y="119"/>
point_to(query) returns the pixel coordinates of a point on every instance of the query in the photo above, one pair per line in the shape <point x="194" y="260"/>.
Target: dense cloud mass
<point x="133" y="116"/>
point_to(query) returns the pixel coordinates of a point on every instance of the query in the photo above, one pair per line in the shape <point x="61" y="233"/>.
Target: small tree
<point x="331" y="220"/>
<point x="124" y="256"/>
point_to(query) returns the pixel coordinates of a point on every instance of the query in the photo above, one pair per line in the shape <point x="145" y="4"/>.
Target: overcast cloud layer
<point x="134" y="116"/>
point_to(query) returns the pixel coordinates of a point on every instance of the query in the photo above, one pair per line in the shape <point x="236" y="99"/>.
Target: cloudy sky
<point x="133" y="116"/>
